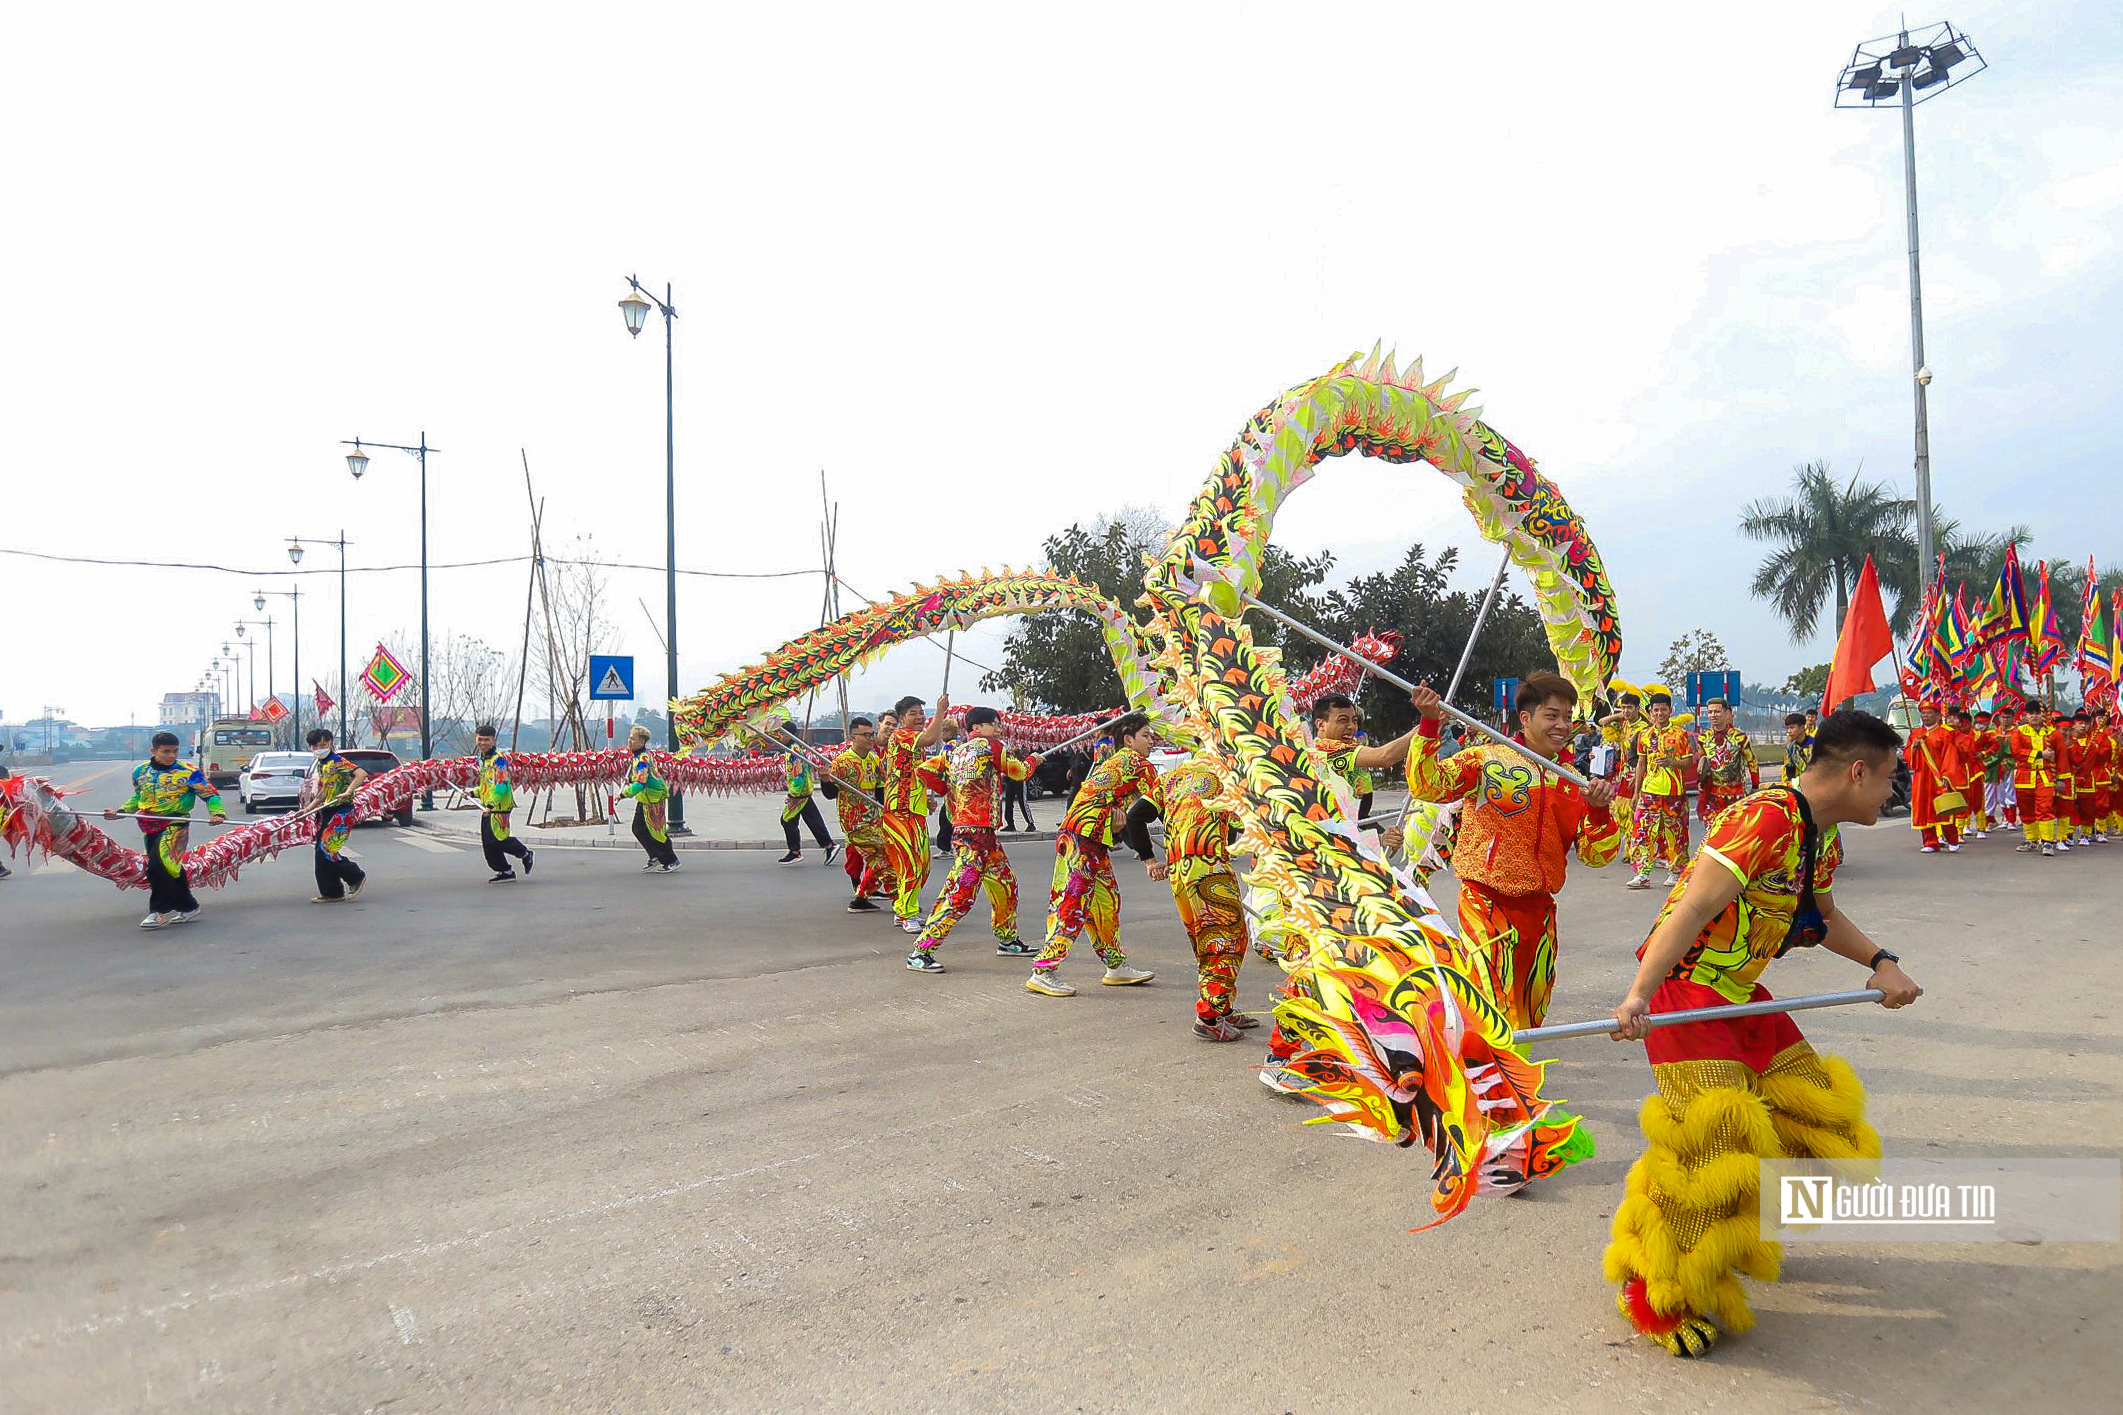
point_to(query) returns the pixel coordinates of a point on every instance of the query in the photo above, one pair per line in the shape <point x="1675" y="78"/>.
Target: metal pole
<point x="427" y="745"/>
<point x="675" y="817"/>
<point x="1481" y="617"/>
<point x="1604" y="1026"/>
<point x="1916" y="326"/>
<point x="269" y="675"/>
<point x="343" y="741"/>
<point x="297" y="597"/>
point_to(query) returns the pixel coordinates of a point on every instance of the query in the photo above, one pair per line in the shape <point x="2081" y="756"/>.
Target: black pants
<point x="167" y="893"/>
<point x="499" y="851"/>
<point x="659" y="850"/>
<point x="1013" y="802"/>
<point x="808" y="816"/>
<point x="335" y="873"/>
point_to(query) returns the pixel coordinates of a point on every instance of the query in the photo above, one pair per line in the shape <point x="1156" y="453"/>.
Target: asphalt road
<point x="605" y="1141"/>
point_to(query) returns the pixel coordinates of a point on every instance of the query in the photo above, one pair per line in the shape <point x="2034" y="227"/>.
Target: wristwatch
<point x="1883" y="956"/>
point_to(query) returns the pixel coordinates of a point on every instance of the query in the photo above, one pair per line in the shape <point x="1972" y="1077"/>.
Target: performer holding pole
<point x="1084" y="890"/>
<point x="650" y="792"/>
<point x="970" y="783"/>
<point x="1734" y="1091"/>
<point x="497" y="798"/>
<point x="855" y="781"/>
<point x="332" y="784"/>
<point x="905" y="827"/>
<point x="164" y="791"/>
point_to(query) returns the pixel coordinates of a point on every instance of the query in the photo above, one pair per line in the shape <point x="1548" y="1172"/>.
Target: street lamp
<point x="266" y="624"/>
<point x="295" y="594"/>
<point x="357" y="462"/>
<point x="294" y="555"/>
<point x="252" y="646"/>
<point x="635" y="307"/>
<point x="1906" y="68"/>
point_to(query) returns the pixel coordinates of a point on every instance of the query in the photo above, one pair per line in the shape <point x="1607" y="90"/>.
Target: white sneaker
<point x="1929" y="850"/>
<point x="1125" y="976"/>
<point x="1672" y="879"/>
<point x="1047" y="983"/>
<point x="1640" y="880"/>
<point x="910" y="926"/>
<point x="155" y="921"/>
<point x="184" y="916"/>
<point x="1954" y="849"/>
<point x="2063" y="847"/>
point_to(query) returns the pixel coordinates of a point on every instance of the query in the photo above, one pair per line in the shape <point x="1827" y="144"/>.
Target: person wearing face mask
<point x="333" y="782"/>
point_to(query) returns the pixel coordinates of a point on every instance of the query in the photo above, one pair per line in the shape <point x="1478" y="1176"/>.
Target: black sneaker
<point x="527" y="855"/>
<point x="860" y="905"/>
<point x="832" y="852"/>
<point x="791" y="858"/>
<point x="1013" y="948"/>
<point x="919" y="961"/>
<point x="503" y="878"/>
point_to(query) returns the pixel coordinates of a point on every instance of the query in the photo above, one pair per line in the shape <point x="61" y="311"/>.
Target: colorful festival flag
<point x="320" y="697"/>
<point x="2004" y="619"/>
<point x="2045" y="646"/>
<point x="2093" y="658"/>
<point x="385" y="676"/>
<point x="271" y="710"/>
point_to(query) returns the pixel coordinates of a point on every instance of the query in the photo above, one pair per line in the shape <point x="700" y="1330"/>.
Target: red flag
<point x="320" y="697"/>
<point x="272" y="709"/>
<point x="1865" y="640"/>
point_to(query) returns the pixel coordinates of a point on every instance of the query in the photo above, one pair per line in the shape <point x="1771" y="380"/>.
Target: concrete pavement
<point x="605" y="1141"/>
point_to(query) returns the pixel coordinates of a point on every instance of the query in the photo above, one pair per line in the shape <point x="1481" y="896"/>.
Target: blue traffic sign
<point x="1717" y="683"/>
<point x="611" y="677"/>
<point x="1504" y="694"/>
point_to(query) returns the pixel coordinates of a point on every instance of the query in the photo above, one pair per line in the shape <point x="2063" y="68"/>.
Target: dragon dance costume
<point x="1730" y="1093"/>
<point x="496" y="799"/>
<point x="1658" y="831"/>
<point x="169" y="791"/>
<point x="1518" y="828"/>
<point x="1729" y="771"/>
<point x="969" y="777"/>
<point x="904" y="830"/>
<point x="1084" y="891"/>
<point x="650" y="793"/>
<point x="862" y="821"/>
<point x="333" y="781"/>
<point x="1198" y="840"/>
<point x="800" y="804"/>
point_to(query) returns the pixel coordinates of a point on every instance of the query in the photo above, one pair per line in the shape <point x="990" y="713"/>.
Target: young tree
<point x="1697" y="651"/>
<point x="1809" y="683"/>
<point x="474" y="683"/>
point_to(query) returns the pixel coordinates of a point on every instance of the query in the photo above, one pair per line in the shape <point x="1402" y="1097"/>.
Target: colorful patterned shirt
<point x="904" y="793"/>
<point x="1659" y="748"/>
<point x="1760" y="839"/>
<point x="972" y="780"/>
<point x="170" y="791"/>
<point x="495" y="793"/>
<point x="1342" y="757"/>
<point x="333" y="781"/>
<point x="643" y="784"/>
<point x="1728" y="758"/>
<point x="1520" y="824"/>
<point x="1194" y="829"/>
<point x="2027" y="743"/>
<point x="865" y="774"/>
<point x="1112" y="784"/>
<point x="796" y="772"/>
<point x="1797" y="757"/>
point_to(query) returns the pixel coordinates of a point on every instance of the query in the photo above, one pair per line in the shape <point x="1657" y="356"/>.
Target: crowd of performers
<point x="1727" y="1093"/>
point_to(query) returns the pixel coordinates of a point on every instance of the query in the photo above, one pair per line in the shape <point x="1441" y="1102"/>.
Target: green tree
<point x="1822" y="533"/>
<point x="1809" y="682"/>
<point x="1059" y="662"/>
<point x="1433" y="622"/>
<point x="1697" y="651"/>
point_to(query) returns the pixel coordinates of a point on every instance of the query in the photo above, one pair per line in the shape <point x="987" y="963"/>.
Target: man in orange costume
<point x="970" y="778"/>
<point x="1983" y="757"/>
<point x="1970" y="784"/>
<point x="1726" y="768"/>
<point x="2108" y="796"/>
<point x="1936" y="767"/>
<point x="2090" y="764"/>
<point x="1518" y="829"/>
<point x="904" y="831"/>
<point x="2034" y="778"/>
<point x="1659" y="829"/>
<point x="2064" y="767"/>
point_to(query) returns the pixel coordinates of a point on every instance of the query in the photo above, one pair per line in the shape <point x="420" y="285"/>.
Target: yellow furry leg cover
<point x="1817" y="1105"/>
<point x="1689" y="1221"/>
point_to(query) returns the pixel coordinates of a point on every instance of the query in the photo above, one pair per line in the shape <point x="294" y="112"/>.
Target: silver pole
<point x="1916" y="328"/>
<point x="1481" y="617"/>
<point x="1604" y="1026"/>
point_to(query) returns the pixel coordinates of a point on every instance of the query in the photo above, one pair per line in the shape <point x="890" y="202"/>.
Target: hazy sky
<point x="993" y="268"/>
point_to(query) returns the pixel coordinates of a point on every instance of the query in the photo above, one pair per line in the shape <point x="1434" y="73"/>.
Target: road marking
<point x="428" y="843"/>
<point x="402" y="1323"/>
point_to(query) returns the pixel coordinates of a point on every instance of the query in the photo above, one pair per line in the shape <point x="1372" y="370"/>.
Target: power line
<point x="380" y="569"/>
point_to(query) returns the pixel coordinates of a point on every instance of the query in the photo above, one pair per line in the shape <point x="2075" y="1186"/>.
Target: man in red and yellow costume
<point x="970" y="778"/>
<point x="1936" y="769"/>
<point x="1970" y="782"/>
<point x="1735" y="1091"/>
<point x="904" y="831"/>
<point x="1726" y="768"/>
<point x="1197" y="864"/>
<point x="1518" y="829"/>
<point x="2034" y="781"/>
<point x="857" y="779"/>
<point x="1659" y="828"/>
<point x="2089" y="776"/>
<point x="1084" y="892"/>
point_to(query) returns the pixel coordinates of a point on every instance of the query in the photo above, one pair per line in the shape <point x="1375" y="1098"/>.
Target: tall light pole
<point x="1906" y="68"/>
<point x="258" y="602"/>
<point x="294" y="555"/>
<point x="636" y="307"/>
<point x="357" y="461"/>
<point x="267" y="625"/>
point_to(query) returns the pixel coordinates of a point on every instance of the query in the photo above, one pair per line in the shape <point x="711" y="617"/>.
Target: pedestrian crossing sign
<point x="611" y="677"/>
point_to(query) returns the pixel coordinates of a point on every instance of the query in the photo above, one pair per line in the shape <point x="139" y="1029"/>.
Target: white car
<point x="273" y="781"/>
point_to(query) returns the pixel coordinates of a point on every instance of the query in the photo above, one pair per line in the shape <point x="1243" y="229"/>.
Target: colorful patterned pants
<point x="169" y="891"/>
<point x="1658" y="831"/>
<point x="1730" y="1094"/>
<point x="1517" y="936"/>
<point x="1084" y="893"/>
<point x="335" y="873"/>
<point x="864" y="859"/>
<point x="1713" y="798"/>
<point x="1207" y="895"/>
<point x="906" y="840"/>
<point x="976" y="860"/>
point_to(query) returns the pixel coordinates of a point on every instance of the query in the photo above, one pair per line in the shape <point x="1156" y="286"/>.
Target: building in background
<point x="185" y="713"/>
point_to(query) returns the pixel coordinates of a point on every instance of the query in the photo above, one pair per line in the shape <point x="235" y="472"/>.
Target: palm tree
<point x="1823" y="532"/>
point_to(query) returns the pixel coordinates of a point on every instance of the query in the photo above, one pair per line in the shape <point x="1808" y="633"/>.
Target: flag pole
<point x="1605" y="1026"/>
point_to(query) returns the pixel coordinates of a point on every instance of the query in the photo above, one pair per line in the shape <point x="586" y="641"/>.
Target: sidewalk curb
<point x="625" y="840"/>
